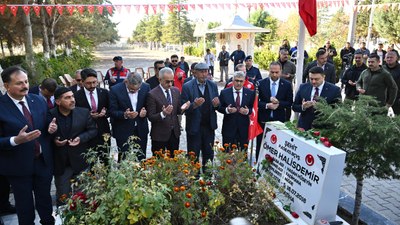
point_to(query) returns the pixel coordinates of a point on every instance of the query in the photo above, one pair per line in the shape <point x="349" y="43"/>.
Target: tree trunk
<point x="2" y="49"/>
<point x="29" y="54"/>
<point x="46" y="46"/>
<point x="357" y="200"/>
<point x="10" y="47"/>
<point x="68" y="48"/>
<point x="53" y="21"/>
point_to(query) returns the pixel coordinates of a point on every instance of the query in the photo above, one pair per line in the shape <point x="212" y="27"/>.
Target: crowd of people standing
<point x="44" y="130"/>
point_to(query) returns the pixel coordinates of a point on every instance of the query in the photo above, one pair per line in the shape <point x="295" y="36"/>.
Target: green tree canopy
<point x="387" y="22"/>
<point x="263" y="19"/>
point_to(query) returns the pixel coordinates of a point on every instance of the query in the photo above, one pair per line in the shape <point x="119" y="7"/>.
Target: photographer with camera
<point x="352" y="74"/>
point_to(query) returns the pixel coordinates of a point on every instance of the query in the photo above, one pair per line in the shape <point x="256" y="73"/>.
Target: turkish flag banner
<point x="254" y="127"/>
<point x="308" y="13"/>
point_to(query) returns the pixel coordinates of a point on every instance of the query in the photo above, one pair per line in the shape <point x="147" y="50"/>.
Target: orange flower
<point x="222" y="168"/>
<point x="228" y="161"/>
<point x="198" y="165"/>
<point x="203" y="214"/>
<point x="187" y="204"/>
<point x="176" y="189"/>
<point x="245" y="145"/>
<point x="188" y="195"/>
<point x="226" y="145"/>
<point x="202" y="182"/>
<point x="183" y="188"/>
<point x="234" y="146"/>
<point x="222" y="149"/>
<point x="185" y="165"/>
<point x="186" y="172"/>
<point x="192" y="153"/>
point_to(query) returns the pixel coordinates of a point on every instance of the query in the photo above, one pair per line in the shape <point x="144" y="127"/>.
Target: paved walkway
<point x="381" y="198"/>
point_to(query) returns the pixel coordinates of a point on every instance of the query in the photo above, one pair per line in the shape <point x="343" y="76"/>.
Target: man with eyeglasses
<point x="78" y="79"/>
<point x="179" y="72"/>
<point x="128" y="113"/>
<point x="275" y="98"/>
<point x="201" y="119"/>
<point x="236" y="104"/>
<point x="154" y="80"/>
<point x="163" y="107"/>
<point x="97" y="101"/>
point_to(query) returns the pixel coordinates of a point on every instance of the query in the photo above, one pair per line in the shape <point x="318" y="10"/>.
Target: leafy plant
<point x="171" y="190"/>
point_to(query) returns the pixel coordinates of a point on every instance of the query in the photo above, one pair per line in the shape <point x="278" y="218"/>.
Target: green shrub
<point x="12" y="60"/>
<point x="264" y="57"/>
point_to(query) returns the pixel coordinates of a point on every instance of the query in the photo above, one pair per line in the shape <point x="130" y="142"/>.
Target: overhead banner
<point x="160" y="8"/>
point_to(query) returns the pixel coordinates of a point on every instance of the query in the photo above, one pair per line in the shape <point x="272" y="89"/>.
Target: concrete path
<point x="381" y="198"/>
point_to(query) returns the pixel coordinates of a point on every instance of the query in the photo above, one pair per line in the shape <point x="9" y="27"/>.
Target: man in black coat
<point x="75" y="129"/>
<point x="321" y="61"/>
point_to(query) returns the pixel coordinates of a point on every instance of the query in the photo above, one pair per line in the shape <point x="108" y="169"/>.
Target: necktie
<point x="238" y="100"/>
<point x="28" y="118"/>
<point x="273" y="94"/>
<point x="169" y="100"/>
<point x="316" y="94"/>
<point x="49" y="103"/>
<point x="92" y="102"/>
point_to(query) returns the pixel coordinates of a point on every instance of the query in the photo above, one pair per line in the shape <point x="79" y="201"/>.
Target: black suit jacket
<point x="161" y="128"/>
<point x="74" y="88"/>
<point x="19" y="160"/>
<point x="101" y="122"/>
<point x="153" y="82"/>
<point x="119" y="103"/>
<point x="83" y="127"/>
<point x="330" y="92"/>
<point x="235" y="122"/>
<point x="329" y="70"/>
<point x="284" y="95"/>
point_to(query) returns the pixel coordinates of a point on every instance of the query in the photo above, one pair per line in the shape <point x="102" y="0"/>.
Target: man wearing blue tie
<point x="275" y="96"/>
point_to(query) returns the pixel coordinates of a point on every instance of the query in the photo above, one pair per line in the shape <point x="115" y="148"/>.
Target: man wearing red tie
<point x="308" y="94"/>
<point x="46" y="89"/>
<point x="26" y="158"/>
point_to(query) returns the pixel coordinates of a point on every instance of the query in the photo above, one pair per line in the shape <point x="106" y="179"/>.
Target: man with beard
<point x="377" y="82"/>
<point x="76" y="129"/>
<point x="118" y="73"/>
<point x="321" y="61"/>
<point x="393" y="67"/>
<point x="351" y="76"/>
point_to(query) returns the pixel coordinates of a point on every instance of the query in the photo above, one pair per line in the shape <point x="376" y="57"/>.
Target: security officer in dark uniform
<point x="253" y="73"/>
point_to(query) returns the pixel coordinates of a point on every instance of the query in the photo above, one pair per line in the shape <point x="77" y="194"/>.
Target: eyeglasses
<point x="79" y="80"/>
<point x="239" y="81"/>
<point x="169" y="81"/>
<point x="174" y="60"/>
<point x="159" y="68"/>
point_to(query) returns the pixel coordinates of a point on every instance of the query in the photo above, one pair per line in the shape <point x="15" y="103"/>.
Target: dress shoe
<point x="10" y="209"/>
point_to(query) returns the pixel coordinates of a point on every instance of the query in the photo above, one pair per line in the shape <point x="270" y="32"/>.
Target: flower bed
<point x="165" y="190"/>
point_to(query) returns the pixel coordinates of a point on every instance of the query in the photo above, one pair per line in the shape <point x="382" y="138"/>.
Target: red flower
<point x="316" y="133"/>
<point x="322" y="139"/>
<point x="269" y="158"/>
<point x="327" y="144"/>
<point x="295" y="215"/>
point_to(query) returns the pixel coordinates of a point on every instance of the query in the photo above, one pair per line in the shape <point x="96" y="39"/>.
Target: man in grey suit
<point x="163" y="106"/>
<point x="321" y="61"/>
<point x="201" y="118"/>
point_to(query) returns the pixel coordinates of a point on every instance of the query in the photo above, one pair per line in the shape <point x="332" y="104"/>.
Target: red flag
<point x="254" y="127"/>
<point x="308" y="13"/>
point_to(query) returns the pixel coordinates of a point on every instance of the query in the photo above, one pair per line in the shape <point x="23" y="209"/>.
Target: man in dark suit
<point x="275" y="97"/>
<point x="163" y="106"/>
<point x="321" y="61"/>
<point x="236" y="103"/>
<point x="308" y="94"/>
<point x="154" y="80"/>
<point x="128" y="112"/>
<point x="98" y="102"/>
<point x="5" y="206"/>
<point x="76" y="129"/>
<point x="201" y="119"/>
<point x="46" y="89"/>
<point x="26" y="158"/>
<point x="78" y="79"/>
